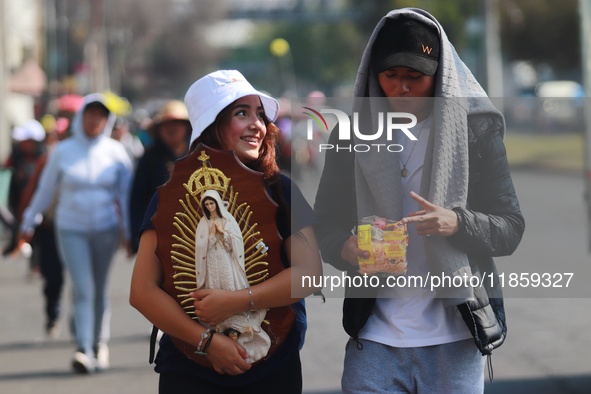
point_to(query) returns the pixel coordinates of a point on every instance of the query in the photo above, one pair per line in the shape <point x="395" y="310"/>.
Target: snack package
<point x="386" y="241"/>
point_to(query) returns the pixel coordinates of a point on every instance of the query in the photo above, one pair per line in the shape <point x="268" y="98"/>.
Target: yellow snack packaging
<point x="386" y="241"/>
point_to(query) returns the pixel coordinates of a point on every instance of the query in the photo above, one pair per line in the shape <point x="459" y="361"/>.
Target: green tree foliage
<point x="169" y="43"/>
<point x="154" y="47"/>
<point x="542" y="31"/>
<point x="326" y="53"/>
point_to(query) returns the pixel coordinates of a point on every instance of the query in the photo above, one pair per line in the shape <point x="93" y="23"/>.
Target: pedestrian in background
<point x="171" y="131"/>
<point x="44" y="241"/>
<point x="27" y="148"/>
<point x="90" y="173"/>
<point x="133" y="145"/>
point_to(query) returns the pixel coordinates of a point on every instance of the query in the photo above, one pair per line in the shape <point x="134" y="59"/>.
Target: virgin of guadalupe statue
<point x="219" y="264"/>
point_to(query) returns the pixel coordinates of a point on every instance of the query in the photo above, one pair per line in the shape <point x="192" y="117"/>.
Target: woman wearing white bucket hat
<point x="227" y="113"/>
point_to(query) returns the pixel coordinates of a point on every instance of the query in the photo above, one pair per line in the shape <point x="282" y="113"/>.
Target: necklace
<point x="404" y="170"/>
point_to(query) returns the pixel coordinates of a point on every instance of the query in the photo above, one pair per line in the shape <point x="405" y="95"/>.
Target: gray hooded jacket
<point x="465" y="170"/>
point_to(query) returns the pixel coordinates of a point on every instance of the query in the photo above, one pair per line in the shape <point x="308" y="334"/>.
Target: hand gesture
<point x="218" y="228"/>
<point x="227" y="356"/>
<point x="432" y="219"/>
<point x="213" y="306"/>
<point x="351" y="252"/>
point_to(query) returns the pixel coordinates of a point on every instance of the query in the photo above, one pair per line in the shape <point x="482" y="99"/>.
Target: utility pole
<point x="494" y="59"/>
<point x="98" y="56"/>
<point x="585" y="15"/>
<point x="4" y="129"/>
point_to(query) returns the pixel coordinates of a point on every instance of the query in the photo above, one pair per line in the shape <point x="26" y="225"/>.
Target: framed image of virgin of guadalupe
<point x="211" y="193"/>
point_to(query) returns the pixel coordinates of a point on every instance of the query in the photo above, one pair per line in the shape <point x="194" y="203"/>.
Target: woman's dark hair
<point x="206" y="211"/>
<point x="266" y="162"/>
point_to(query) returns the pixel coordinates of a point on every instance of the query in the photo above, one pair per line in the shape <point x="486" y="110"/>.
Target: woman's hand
<point x="24" y="238"/>
<point x="219" y="228"/>
<point x="351" y="252"/>
<point x="21" y="240"/>
<point x="227" y="356"/>
<point x="213" y="306"/>
<point x="432" y="219"/>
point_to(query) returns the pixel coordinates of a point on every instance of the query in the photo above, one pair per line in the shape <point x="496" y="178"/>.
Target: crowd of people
<point x="80" y="200"/>
<point x="78" y="191"/>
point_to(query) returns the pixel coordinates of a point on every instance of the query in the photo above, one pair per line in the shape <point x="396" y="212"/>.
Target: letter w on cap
<point x="426" y="49"/>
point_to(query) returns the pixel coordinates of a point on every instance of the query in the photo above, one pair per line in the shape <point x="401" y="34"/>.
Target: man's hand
<point x="432" y="219"/>
<point x="351" y="252"/>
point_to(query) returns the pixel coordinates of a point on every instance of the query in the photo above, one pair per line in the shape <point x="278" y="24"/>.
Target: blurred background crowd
<point x="141" y="53"/>
<point x="149" y="50"/>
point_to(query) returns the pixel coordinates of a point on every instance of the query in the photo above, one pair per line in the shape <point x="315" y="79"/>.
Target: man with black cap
<point x="452" y="188"/>
<point x="405" y="61"/>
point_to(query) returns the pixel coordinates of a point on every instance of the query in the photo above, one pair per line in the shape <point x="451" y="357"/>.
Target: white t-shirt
<point x="411" y="317"/>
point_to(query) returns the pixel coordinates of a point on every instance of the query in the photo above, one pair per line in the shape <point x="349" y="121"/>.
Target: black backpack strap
<point x="153" y="337"/>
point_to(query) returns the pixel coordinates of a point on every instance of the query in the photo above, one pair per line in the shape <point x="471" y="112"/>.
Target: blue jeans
<point x="88" y="257"/>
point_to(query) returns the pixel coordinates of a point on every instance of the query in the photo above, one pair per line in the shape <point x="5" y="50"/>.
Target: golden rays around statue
<point x="185" y="223"/>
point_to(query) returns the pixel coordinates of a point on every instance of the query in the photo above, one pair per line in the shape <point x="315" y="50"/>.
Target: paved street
<point x="547" y="350"/>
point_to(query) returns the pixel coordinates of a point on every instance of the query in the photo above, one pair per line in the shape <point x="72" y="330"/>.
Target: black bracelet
<point x="206" y="346"/>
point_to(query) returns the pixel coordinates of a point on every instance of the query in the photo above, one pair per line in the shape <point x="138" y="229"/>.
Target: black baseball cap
<point x="406" y="42"/>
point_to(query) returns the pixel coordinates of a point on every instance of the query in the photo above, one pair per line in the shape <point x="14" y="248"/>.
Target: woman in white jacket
<point x="89" y="174"/>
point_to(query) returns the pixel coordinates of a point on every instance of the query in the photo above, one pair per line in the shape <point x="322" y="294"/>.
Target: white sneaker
<point x="82" y="364"/>
<point x="102" y="357"/>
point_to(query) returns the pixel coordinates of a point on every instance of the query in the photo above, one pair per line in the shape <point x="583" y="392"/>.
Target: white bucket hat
<point x="31" y="130"/>
<point x="208" y="96"/>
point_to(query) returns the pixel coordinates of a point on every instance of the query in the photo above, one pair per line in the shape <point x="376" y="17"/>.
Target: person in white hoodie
<point x="90" y="174"/>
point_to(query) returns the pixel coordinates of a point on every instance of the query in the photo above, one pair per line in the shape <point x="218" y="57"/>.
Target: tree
<point x="326" y="52"/>
<point x="543" y="31"/>
<point x="154" y="47"/>
<point x="166" y="46"/>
